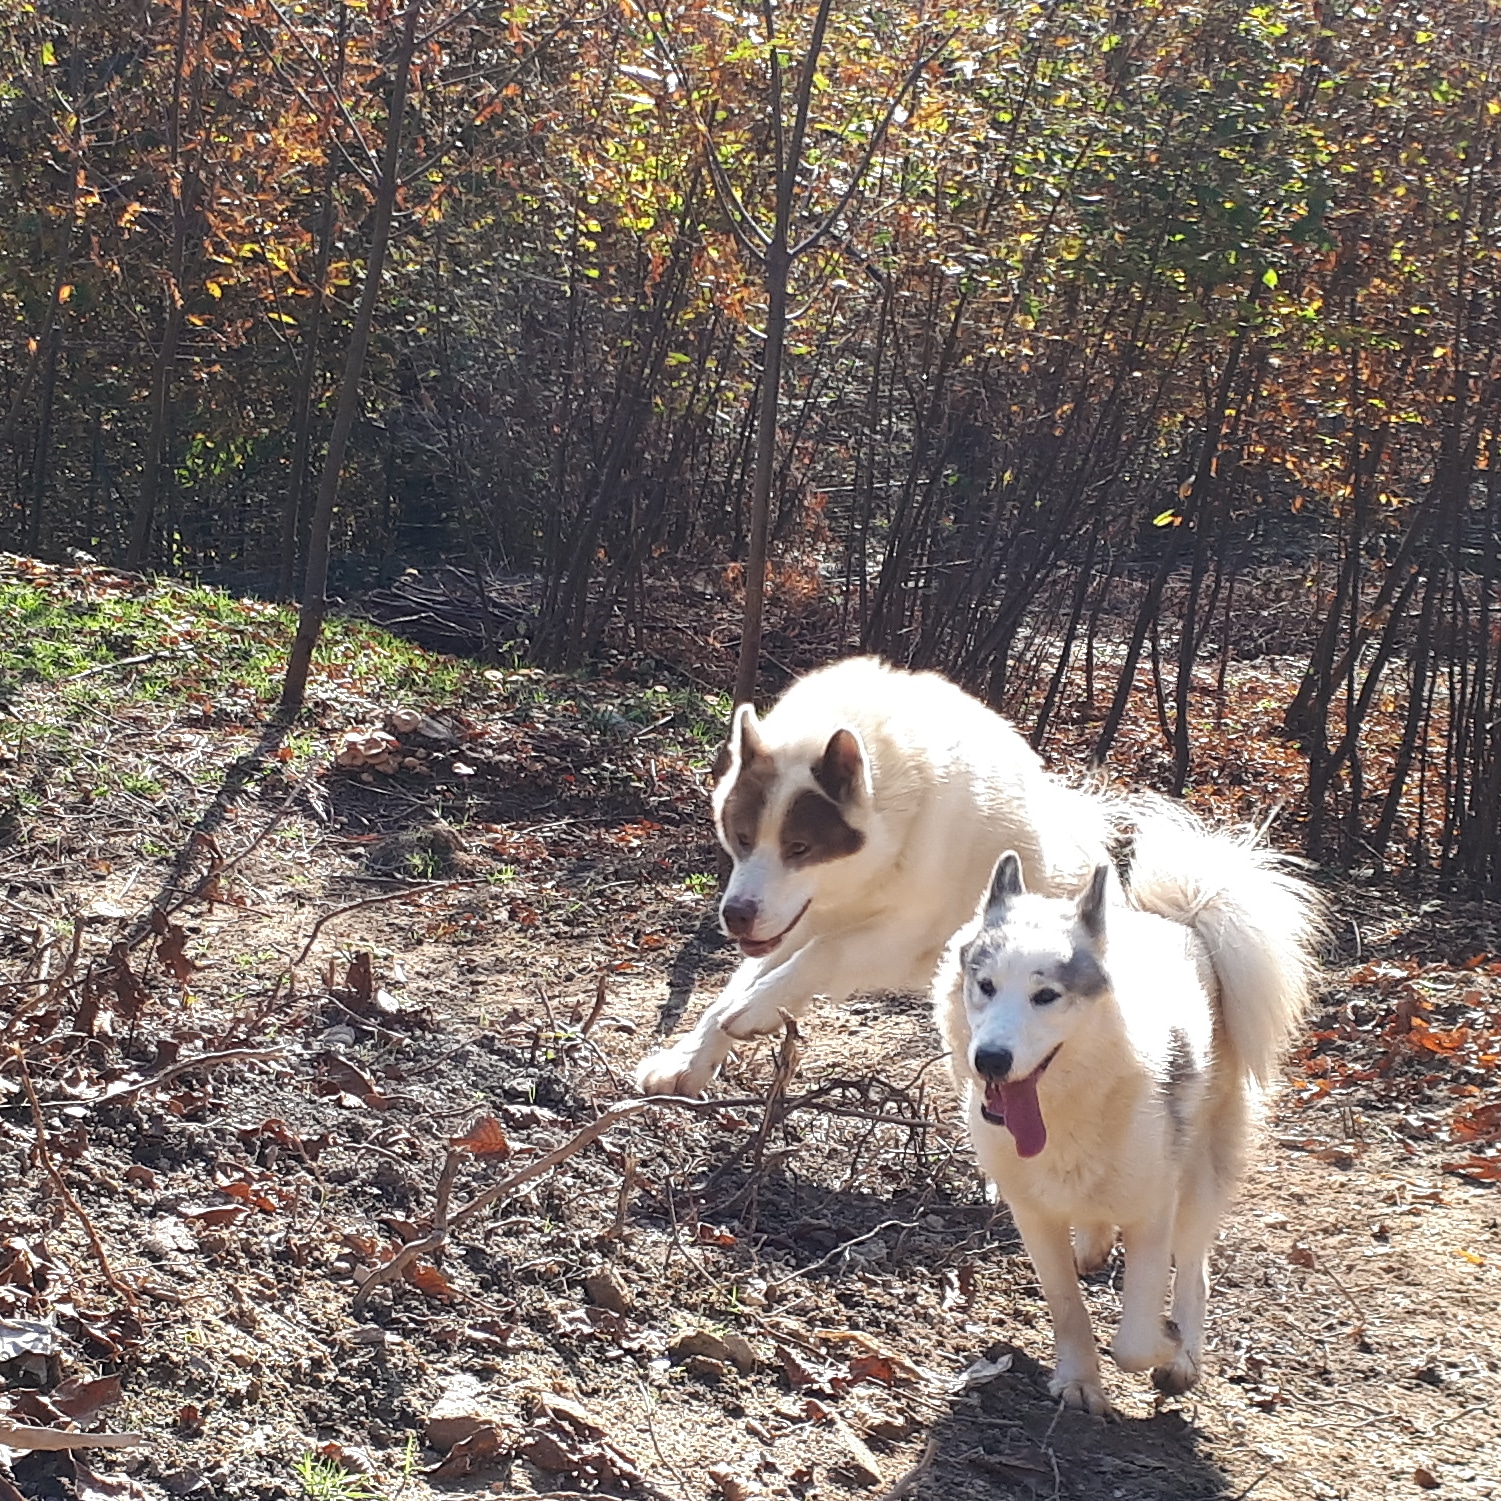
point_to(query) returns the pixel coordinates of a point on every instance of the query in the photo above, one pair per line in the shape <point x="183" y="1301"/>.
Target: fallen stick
<point x="187" y="1066"/>
<point x="66" y="1194"/>
<point x="915" y="1476"/>
<point x="390" y="1270"/>
<point x="23" y="1436"/>
<point x="423" y="889"/>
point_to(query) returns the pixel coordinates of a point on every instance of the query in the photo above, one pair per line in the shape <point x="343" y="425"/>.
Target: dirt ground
<point x="739" y="1300"/>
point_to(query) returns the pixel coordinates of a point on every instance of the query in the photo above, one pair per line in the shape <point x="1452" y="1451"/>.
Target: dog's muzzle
<point x="758" y="948"/>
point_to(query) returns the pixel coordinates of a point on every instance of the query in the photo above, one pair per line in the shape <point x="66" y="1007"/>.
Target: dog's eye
<point x="985" y="987"/>
<point x="796" y="850"/>
<point x="1045" y="997"/>
<point x="743" y="841"/>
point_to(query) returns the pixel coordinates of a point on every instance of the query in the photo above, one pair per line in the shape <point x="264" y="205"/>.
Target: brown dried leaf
<point x="340" y="1075"/>
<point x="89" y="1486"/>
<point x="485" y="1138"/>
<point x="542" y="1449"/>
<point x="171" y="947"/>
<point x="359" y="978"/>
<point x="83" y="1400"/>
<point x="798" y="1374"/>
<point x="130" y="993"/>
<point x="429" y="1281"/>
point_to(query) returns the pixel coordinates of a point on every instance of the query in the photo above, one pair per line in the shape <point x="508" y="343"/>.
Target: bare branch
<point x="877" y="140"/>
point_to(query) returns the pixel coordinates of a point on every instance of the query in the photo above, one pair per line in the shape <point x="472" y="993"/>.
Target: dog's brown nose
<point x="739" y="916"/>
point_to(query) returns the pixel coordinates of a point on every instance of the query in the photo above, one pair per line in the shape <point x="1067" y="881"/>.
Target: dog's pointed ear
<point x="745" y="743"/>
<point x="843" y="771"/>
<point x="1092" y="903"/>
<point x="1005" y="885"/>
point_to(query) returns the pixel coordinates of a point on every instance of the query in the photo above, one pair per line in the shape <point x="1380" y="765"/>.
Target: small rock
<point x="166" y="1237"/>
<point x="459" y="1413"/>
<point x="605" y="1290"/>
<point x="893" y="1427"/>
<point x="729" y="1349"/>
<point x="706" y="1368"/>
<point x="572" y="1414"/>
<point x="741" y="1353"/>
<point x="862" y="1463"/>
<point x="368" y="1334"/>
<point x="732" y="1486"/>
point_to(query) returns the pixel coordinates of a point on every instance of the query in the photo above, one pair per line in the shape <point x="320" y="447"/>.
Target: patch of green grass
<point x="424" y="865"/>
<point x="200" y="644"/>
<point x="700" y="883"/>
<point x="323" y="1480"/>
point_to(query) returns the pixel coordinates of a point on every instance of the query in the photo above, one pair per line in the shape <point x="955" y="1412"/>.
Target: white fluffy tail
<point x="1258" y="923"/>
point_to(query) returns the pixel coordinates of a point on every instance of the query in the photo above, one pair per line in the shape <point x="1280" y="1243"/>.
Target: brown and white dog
<point x="863" y="816"/>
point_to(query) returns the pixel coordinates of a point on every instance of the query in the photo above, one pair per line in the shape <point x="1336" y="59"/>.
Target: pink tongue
<point x="1016" y="1101"/>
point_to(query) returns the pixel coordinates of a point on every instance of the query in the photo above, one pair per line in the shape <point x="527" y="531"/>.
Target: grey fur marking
<point x="1083" y="975"/>
<point x="1182" y="1071"/>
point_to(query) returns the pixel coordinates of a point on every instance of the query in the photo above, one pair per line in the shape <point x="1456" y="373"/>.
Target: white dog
<point x="1111" y="1049"/>
<point x="863" y="816"/>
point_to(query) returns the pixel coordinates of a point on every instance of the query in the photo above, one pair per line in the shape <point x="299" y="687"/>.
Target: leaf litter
<point x="259" y="1105"/>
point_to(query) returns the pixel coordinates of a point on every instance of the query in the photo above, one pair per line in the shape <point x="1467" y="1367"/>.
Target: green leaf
<point x="1269" y="277"/>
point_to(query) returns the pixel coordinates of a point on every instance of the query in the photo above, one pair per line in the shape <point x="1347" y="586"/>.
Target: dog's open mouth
<point x="1013" y="1104"/>
<point x="758" y="948"/>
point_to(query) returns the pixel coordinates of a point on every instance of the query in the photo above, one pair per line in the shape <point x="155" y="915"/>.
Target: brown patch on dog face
<point x="722" y="762"/>
<point x="740" y="819"/>
<point x="814" y="832"/>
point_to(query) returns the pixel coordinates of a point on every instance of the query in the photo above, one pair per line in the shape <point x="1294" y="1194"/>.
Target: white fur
<point x="945" y="786"/>
<point x="1148" y="1102"/>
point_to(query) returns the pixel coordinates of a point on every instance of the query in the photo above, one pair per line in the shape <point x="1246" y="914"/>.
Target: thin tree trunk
<point x="43" y="451"/>
<point x="183" y="187"/>
<point x="1192" y="511"/>
<point x="778" y="264"/>
<point x="777" y="267"/>
<point x="293" y="520"/>
<point x="314" y="604"/>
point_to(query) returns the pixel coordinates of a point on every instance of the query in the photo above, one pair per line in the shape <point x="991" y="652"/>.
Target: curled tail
<point x="1258" y="923"/>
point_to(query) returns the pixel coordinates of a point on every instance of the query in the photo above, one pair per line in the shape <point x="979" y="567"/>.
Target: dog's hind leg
<point x="1201" y="1202"/>
<point x="1145" y="1338"/>
<point x="1076" y="1377"/>
<point x="1093" y="1244"/>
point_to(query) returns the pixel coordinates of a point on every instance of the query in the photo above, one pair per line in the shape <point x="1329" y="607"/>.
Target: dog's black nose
<point x="739" y="915"/>
<point x="994" y="1063"/>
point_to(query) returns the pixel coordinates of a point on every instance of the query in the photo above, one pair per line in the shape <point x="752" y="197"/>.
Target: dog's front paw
<point x="1084" y="1394"/>
<point x="1177" y="1375"/>
<point x="678" y="1071"/>
<point x="1135" y="1351"/>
